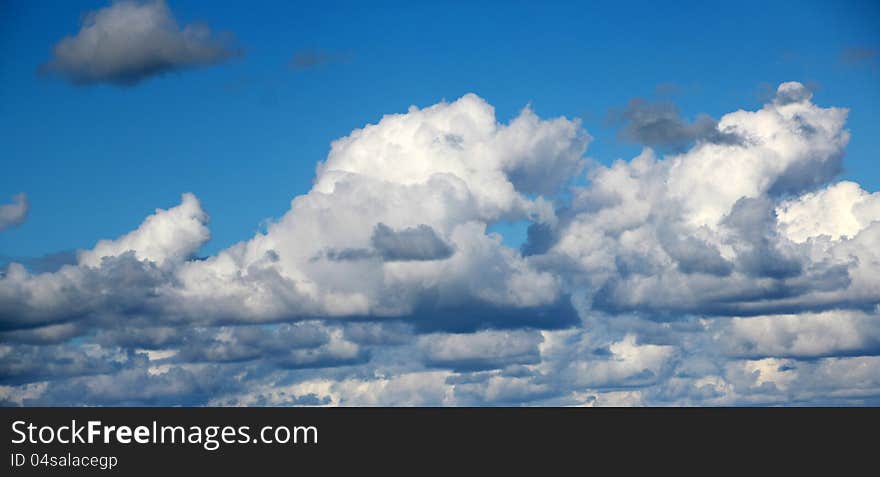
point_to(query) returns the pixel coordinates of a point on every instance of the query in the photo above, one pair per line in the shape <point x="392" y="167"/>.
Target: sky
<point x="546" y="203"/>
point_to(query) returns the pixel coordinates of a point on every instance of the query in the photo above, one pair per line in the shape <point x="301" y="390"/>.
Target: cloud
<point x="421" y="190"/>
<point x="246" y="343"/>
<point x="856" y="55"/>
<point x="13" y="215"/>
<point x="130" y="41"/>
<point x="806" y="335"/>
<point x="667" y="89"/>
<point x="659" y="124"/>
<point x="168" y="235"/>
<point x="792" y="92"/>
<point x="422" y="205"/>
<point x="414" y="243"/>
<point x="50" y="262"/>
<point x="719" y="273"/>
<point x="419" y="243"/>
<point x="625" y="363"/>
<point x="624" y="233"/>
<point x="840" y="211"/>
<point x="481" y="350"/>
<point x="23" y="364"/>
<point x="311" y="58"/>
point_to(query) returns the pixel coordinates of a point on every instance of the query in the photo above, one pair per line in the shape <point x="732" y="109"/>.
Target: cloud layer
<point x="729" y="272"/>
<point x="130" y="41"/>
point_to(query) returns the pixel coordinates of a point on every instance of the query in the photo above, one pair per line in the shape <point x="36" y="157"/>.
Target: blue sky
<point x="244" y="136"/>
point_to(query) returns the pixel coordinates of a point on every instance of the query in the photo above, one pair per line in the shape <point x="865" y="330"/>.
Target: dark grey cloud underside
<point x="660" y="125"/>
<point x="413" y="243"/>
<point x="128" y="42"/>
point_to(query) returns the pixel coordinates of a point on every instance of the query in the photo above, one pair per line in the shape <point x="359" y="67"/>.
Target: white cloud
<point x="840" y="211"/>
<point x="443" y="169"/>
<point x="697" y="232"/>
<point x="171" y="235"/>
<point x="790" y="147"/>
<point x="732" y="272"/>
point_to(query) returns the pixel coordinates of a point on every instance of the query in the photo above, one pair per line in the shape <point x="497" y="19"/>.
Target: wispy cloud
<point x="314" y="58"/>
<point x="857" y="55"/>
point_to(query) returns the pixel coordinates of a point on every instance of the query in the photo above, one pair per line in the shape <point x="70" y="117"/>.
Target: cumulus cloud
<point x="726" y="272"/>
<point x="697" y="232"/>
<point x="168" y="235"/>
<point x="12" y="215"/>
<point x="130" y="41"/>
<point x="840" y="211"/>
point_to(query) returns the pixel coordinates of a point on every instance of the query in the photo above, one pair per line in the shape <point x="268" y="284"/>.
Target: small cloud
<point x="659" y="124"/>
<point x="779" y="93"/>
<point x="667" y="89"/>
<point x="858" y="55"/>
<point x="130" y="41"/>
<point x="792" y="92"/>
<point x="311" y="58"/>
<point x="791" y="56"/>
<point x="12" y="215"/>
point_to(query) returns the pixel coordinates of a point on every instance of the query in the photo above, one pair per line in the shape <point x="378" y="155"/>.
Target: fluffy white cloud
<point x="791" y="145"/>
<point x="707" y="231"/>
<point x="437" y="176"/>
<point x="171" y="235"/>
<point x="131" y="40"/>
<point x="730" y="272"/>
<point x="839" y="211"/>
